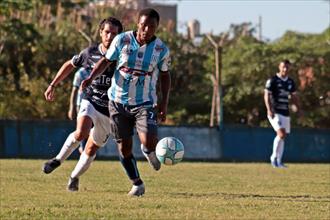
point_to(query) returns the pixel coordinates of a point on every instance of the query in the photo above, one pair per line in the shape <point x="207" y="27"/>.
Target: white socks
<point x="280" y="152"/>
<point x="68" y="147"/>
<point x="278" y="149"/>
<point x="82" y="165"/>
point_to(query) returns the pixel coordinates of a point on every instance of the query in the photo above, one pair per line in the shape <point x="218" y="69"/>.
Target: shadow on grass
<point x="296" y="198"/>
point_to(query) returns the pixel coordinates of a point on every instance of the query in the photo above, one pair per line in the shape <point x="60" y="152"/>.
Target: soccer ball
<point x="169" y="150"/>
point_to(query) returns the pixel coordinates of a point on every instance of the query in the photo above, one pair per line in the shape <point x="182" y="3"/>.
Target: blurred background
<point x="38" y="36"/>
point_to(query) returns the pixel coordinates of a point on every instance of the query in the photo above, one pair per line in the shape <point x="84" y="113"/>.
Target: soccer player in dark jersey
<point x="94" y="105"/>
<point x="278" y="90"/>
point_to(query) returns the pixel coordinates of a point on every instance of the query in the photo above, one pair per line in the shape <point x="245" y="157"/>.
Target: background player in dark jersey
<point x="75" y="99"/>
<point x="94" y="105"/>
<point x="278" y="90"/>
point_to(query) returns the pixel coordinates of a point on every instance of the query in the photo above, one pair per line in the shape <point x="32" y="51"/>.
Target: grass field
<point x="184" y="191"/>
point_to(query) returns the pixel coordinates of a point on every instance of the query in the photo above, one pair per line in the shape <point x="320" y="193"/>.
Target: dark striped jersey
<point x="280" y="89"/>
<point x="96" y="93"/>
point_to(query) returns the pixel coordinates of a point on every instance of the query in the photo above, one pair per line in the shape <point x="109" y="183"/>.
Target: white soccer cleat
<point x="152" y="159"/>
<point x="137" y="190"/>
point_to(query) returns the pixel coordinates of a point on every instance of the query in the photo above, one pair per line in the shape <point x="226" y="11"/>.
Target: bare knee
<point x="81" y="134"/>
<point x="91" y="148"/>
<point x="281" y="133"/>
<point x="91" y="151"/>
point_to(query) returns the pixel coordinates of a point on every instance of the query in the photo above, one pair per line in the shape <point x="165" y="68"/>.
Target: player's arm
<point x="296" y="101"/>
<point x="99" y="68"/>
<point x="268" y="103"/>
<point x="72" y="114"/>
<point x="63" y="73"/>
<point x="165" y="86"/>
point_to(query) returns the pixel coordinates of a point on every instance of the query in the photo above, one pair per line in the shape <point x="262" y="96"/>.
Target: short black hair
<point x="149" y="12"/>
<point x="113" y="21"/>
<point x="286" y="62"/>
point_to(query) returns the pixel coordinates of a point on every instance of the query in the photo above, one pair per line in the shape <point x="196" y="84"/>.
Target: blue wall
<point x="43" y="139"/>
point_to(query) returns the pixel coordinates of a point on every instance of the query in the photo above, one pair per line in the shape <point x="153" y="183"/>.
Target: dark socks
<point x="129" y="164"/>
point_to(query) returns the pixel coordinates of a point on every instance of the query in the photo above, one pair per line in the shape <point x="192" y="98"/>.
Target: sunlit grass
<point x="184" y="191"/>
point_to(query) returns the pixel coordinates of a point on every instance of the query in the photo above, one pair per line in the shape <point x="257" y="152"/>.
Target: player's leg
<point x="278" y="145"/>
<point x="278" y="140"/>
<point x="128" y="162"/>
<point x="85" y="160"/>
<point x="82" y="145"/>
<point x="146" y="125"/>
<point x="84" y="124"/>
<point x="83" y="142"/>
<point x="148" y="145"/>
<point x="98" y="138"/>
<point x="122" y="129"/>
<point x="285" y="121"/>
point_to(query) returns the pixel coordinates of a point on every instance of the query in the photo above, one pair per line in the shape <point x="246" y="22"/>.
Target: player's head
<point x="284" y="67"/>
<point x="109" y="28"/>
<point x="148" y="21"/>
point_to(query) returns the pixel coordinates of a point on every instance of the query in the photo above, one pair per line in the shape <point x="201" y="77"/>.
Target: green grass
<point x="184" y="191"/>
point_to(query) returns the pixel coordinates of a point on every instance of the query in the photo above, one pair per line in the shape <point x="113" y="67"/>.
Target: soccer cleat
<point x="73" y="184"/>
<point x="51" y="165"/>
<point x="281" y="165"/>
<point x="152" y="159"/>
<point x="137" y="190"/>
<point x="273" y="163"/>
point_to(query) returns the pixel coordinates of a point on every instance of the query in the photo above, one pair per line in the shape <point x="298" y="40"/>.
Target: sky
<point x="278" y="16"/>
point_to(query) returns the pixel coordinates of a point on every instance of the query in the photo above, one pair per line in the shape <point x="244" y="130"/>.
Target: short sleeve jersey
<point x="79" y="76"/>
<point x="280" y="90"/>
<point x="138" y="68"/>
<point x="96" y="93"/>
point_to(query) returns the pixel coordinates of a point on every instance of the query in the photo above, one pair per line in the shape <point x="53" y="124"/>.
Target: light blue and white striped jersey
<point x="135" y="78"/>
<point x="79" y="76"/>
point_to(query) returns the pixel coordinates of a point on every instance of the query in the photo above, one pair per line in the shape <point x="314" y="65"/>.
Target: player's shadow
<point x="296" y="198"/>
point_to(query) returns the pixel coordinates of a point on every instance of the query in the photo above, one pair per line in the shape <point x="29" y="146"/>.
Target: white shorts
<point x="280" y="121"/>
<point x="101" y="130"/>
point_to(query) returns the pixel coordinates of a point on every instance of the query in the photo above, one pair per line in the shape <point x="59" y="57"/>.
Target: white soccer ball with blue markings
<point x="169" y="150"/>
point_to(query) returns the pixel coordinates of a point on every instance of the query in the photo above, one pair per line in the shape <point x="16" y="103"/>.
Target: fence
<point x="43" y="139"/>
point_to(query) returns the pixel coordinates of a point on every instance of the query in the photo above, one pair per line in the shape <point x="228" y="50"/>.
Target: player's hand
<point x="162" y="112"/>
<point x="72" y="114"/>
<point x="270" y="113"/>
<point x="85" y="83"/>
<point x="50" y="93"/>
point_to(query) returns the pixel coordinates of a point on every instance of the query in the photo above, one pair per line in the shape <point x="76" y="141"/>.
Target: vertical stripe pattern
<point x="137" y="70"/>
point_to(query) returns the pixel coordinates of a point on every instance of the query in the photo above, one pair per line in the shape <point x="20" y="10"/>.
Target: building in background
<point x="168" y="12"/>
<point x="193" y="29"/>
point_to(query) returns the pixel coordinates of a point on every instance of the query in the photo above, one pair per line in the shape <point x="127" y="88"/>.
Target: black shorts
<point x="124" y="118"/>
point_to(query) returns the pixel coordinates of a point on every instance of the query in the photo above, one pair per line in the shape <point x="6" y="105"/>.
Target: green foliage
<point x="33" y="49"/>
<point x="191" y="89"/>
<point x="248" y="63"/>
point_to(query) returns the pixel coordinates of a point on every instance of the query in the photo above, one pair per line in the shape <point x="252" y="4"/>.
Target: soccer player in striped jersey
<point x="94" y="105"/>
<point x="142" y="60"/>
<point x="276" y="96"/>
